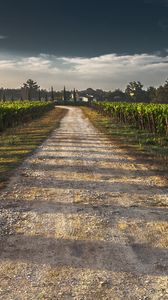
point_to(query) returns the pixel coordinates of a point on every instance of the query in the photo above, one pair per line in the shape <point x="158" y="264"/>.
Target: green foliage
<point x="30" y="88"/>
<point x="16" y="112"/>
<point x="64" y="95"/>
<point x="74" y="96"/>
<point x="150" y="117"/>
<point x="16" y="143"/>
<point x="31" y="84"/>
<point x="143" y="144"/>
<point x="52" y="94"/>
<point x="134" y="92"/>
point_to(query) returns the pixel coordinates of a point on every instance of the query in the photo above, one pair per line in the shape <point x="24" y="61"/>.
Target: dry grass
<point x="16" y="143"/>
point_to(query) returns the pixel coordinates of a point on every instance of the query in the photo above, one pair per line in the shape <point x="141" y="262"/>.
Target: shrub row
<point x="14" y="113"/>
<point x="151" y="117"/>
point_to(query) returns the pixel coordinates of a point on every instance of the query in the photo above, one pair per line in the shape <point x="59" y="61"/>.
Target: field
<point x="140" y="127"/>
<point x="14" y="113"/>
<point x="151" y="117"/>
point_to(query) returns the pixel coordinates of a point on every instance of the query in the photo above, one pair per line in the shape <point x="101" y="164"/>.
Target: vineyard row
<point x="150" y="117"/>
<point x="14" y="113"/>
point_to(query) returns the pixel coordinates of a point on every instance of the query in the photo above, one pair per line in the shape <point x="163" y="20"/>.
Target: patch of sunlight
<point x="77" y="226"/>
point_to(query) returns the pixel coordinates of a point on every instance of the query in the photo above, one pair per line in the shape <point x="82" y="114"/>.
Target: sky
<point x="99" y="44"/>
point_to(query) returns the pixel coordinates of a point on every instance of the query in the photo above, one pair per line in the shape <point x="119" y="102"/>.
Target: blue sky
<point x="103" y="44"/>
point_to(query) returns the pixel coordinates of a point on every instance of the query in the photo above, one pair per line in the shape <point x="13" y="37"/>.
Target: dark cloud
<point x="159" y="2"/>
<point x="82" y="28"/>
<point x="77" y="37"/>
<point x="163" y="24"/>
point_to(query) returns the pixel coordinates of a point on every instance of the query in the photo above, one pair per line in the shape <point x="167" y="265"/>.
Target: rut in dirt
<point x="81" y="219"/>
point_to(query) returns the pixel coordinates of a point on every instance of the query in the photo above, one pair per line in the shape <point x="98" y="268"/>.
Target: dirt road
<point x="83" y="220"/>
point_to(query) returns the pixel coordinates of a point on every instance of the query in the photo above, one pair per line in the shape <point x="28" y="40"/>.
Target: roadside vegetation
<point x="14" y="113"/>
<point x="19" y="141"/>
<point x="150" y="117"/>
<point x="145" y="142"/>
<point x="125" y="117"/>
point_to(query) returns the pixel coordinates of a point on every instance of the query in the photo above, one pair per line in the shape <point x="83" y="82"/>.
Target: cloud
<point x="3" y="37"/>
<point x="109" y="71"/>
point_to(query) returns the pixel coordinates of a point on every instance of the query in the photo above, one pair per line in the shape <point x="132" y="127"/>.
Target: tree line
<point x="134" y="92"/>
<point x="30" y="90"/>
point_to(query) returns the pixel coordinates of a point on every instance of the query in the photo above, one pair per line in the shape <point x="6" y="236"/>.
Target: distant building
<point x="87" y="98"/>
<point x="84" y="99"/>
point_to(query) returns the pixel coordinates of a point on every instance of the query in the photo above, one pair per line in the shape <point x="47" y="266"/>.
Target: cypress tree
<point x="52" y="94"/>
<point x="39" y="95"/>
<point x="4" y="96"/>
<point x="74" y="95"/>
<point x="46" y="97"/>
<point x="64" y="95"/>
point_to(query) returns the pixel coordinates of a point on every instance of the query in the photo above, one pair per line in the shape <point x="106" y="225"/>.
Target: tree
<point x="151" y="94"/>
<point x="58" y="95"/>
<point x="39" y="95"/>
<point x="165" y="100"/>
<point x="52" y="94"/>
<point x="116" y="95"/>
<point x="1" y="94"/>
<point x="162" y="93"/>
<point x="12" y="97"/>
<point x="30" y="89"/>
<point x="74" y="96"/>
<point x="134" y="92"/>
<point x="4" y="96"/>
<point x="64" y="95"/>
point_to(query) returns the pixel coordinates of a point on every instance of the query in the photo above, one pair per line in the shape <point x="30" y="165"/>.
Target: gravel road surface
<point x="81" y="219"/>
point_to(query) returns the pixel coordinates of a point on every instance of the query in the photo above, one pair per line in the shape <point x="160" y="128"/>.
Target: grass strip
<point x="150" y="147"/>
<point x="18" y="142"/>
